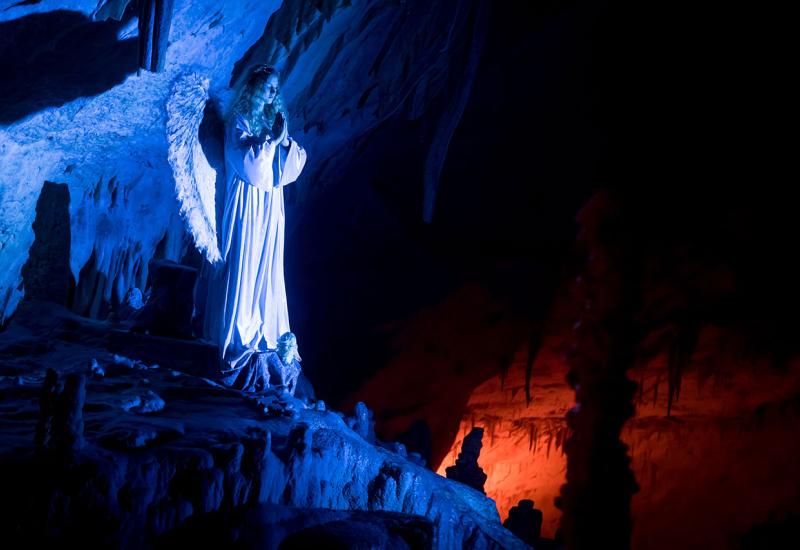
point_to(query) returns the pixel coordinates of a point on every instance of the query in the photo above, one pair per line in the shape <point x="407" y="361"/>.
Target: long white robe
<point x="247" y="298"/>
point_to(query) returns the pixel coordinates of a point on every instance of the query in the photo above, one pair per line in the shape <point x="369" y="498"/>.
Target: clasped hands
<point x="266" y="139"/>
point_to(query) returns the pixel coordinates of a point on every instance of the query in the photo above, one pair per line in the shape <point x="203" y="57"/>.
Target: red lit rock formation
<point x="522" y="451"/>
<point x="713" y="442"/>
<point x="728" y="437"/>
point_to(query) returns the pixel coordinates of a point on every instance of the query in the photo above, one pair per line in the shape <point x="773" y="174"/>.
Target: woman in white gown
<point x="248" y="310"/>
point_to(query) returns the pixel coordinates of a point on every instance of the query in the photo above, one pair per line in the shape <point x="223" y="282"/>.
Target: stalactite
<point x="641" y="391"/>
<point x="454" y="107"/>
<point x="532" y="436"/>
<point x="107" y="276"/>
<point x="561" y="436"/>
<point x="113" y="9"/>
<point x="680" y="353"/>
<point x="505" y="365"/>
<point x="655" y="389"/>
<point x="155" y="20"/>
<point x="534" y="343"/>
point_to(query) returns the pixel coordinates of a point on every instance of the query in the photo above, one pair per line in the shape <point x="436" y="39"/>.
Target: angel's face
<point x="266" y="95"/>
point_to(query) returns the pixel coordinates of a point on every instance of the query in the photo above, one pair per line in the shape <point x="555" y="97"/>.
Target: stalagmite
<point x="466" y="469"/>
<point x="596" y="499"/>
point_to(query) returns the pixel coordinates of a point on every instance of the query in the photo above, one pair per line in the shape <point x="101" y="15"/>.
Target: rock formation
<point x="466" y="469"/>
<point x="138" y="474"/>
<point x="525" y="521"/>
<point x="60" y="425"/>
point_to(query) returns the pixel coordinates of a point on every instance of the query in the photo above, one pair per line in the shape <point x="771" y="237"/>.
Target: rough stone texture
<point x="273" y="526"/>
<point x="283" y="374"/>
<point x="699" y="437"/>
<point x="705" y="428"/>
<point x="193" y="356"/>
<point x="60" y="425"/>
<point x="46" y="274"/>
<point x="362" y="422"/>
<point x="210" y="449"/>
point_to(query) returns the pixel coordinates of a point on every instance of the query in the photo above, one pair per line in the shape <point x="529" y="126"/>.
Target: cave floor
<point x="163" y="449"/>
<point x="43" y="336"/>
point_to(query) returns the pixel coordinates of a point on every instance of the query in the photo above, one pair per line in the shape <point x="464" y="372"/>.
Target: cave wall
<point x="80" y="116"/>
<point x="75" y="113"/>
<point x="721" y="463"/>
<point x="523" y="159"/>
<point x="715" y="368"/>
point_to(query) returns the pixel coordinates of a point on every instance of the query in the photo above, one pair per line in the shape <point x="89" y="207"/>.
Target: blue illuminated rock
<point x="75" y="111"/>
<point x="294" y="473"/>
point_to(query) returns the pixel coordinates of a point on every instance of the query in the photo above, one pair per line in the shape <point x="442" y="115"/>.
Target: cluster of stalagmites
<point x="523" y="520"/>
<point x="309" y="480"/>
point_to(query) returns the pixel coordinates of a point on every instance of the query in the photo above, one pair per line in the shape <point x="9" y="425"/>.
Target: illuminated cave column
<point x="155" y="20"/>
<point x="596" y="499"/>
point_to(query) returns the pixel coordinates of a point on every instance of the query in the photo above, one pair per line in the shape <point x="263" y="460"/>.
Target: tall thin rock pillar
<point x="155" y="20"/>
<point x="596" y="499"/>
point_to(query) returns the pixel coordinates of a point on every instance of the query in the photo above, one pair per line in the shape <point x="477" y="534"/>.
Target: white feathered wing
<point x="195" y="179"/>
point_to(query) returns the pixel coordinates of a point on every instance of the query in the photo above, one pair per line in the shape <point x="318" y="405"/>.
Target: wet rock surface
<point x="160" y="447"/>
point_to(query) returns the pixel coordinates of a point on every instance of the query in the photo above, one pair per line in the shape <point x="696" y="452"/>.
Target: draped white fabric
<point x="247" y="309"/>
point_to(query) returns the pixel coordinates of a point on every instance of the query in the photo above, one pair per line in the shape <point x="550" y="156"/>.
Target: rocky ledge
<point x="109" y="450"/>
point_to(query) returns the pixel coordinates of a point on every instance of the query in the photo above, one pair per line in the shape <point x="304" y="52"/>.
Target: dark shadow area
<point x="212" y="139"/>
<point x="526" y="155"/>
<point x="292" y="17"/>
<point x="358" y="262"/>
<point x="88" y="299"/>
<point x="49" y="59"/>
<point x="273" y="526"/>
<point x="46" y="275"/>
<point x="784" y="533"/>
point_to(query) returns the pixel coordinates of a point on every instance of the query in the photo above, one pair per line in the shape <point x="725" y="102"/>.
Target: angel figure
<point x="246" y="310"/>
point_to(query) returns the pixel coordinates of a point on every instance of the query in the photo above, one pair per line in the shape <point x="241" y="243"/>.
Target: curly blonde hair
<point x="259" y="120"/>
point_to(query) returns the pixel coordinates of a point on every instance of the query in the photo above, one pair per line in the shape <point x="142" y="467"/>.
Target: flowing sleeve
<point x="249" y="159"/>
<point x="293" y="164"/>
